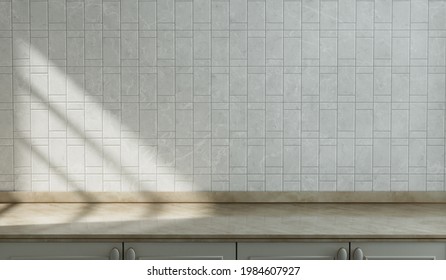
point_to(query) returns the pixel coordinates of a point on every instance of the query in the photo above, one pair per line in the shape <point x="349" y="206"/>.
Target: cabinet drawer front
<point x="289" y="251"/>
<point x="58" y="251"/>
<point x="182" y="251"/>
<point x="400" y="250"/>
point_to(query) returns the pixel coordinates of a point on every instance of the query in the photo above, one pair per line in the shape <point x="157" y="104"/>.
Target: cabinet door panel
<point x="59" y="251"/>
<point x="400" y="250"/>
<point x="181" y="251"/>
<point x="290" y="251"/>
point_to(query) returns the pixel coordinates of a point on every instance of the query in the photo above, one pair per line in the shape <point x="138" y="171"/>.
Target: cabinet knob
<point x="358" y="254"/>
<point x="342" y="254"/>
<point x="114" y="254"/>
<point x="130" y="254"/>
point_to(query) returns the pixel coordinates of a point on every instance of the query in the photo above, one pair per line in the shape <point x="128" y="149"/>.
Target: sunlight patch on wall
<point x="68" y="139"/>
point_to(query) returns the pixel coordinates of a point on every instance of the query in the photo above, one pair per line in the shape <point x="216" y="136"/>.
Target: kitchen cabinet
<point x="398" y="251"/>
<point x="180" y="251"/>
<point x="293" y="251"/>
<point x="377" y="250"/>
<point x="60" y="251"/>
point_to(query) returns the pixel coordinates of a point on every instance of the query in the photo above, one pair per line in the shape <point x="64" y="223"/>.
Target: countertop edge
<point x="214" y="238"/>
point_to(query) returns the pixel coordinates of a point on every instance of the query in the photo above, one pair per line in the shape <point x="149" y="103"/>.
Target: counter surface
<point x="125" y="221"/>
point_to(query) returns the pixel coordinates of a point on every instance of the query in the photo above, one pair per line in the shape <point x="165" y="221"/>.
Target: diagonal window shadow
<point x="153" y="219"/>
<point x="108" y="159"/>
<point x="39" y="95"/>
<point x="85" y="195"/>
<point x="38" y="55"/>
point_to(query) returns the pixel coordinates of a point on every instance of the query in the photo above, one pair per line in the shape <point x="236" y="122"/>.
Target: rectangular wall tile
<point x="222" y="95"/>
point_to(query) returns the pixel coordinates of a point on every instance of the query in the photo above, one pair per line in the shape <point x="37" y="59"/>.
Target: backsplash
<point x="218" y="95"/>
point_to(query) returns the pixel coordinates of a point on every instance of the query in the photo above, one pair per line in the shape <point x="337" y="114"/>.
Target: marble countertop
<point x="125" y="221"/>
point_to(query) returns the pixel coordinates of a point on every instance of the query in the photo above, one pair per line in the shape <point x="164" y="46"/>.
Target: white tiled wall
<point x="219" y="95"/>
